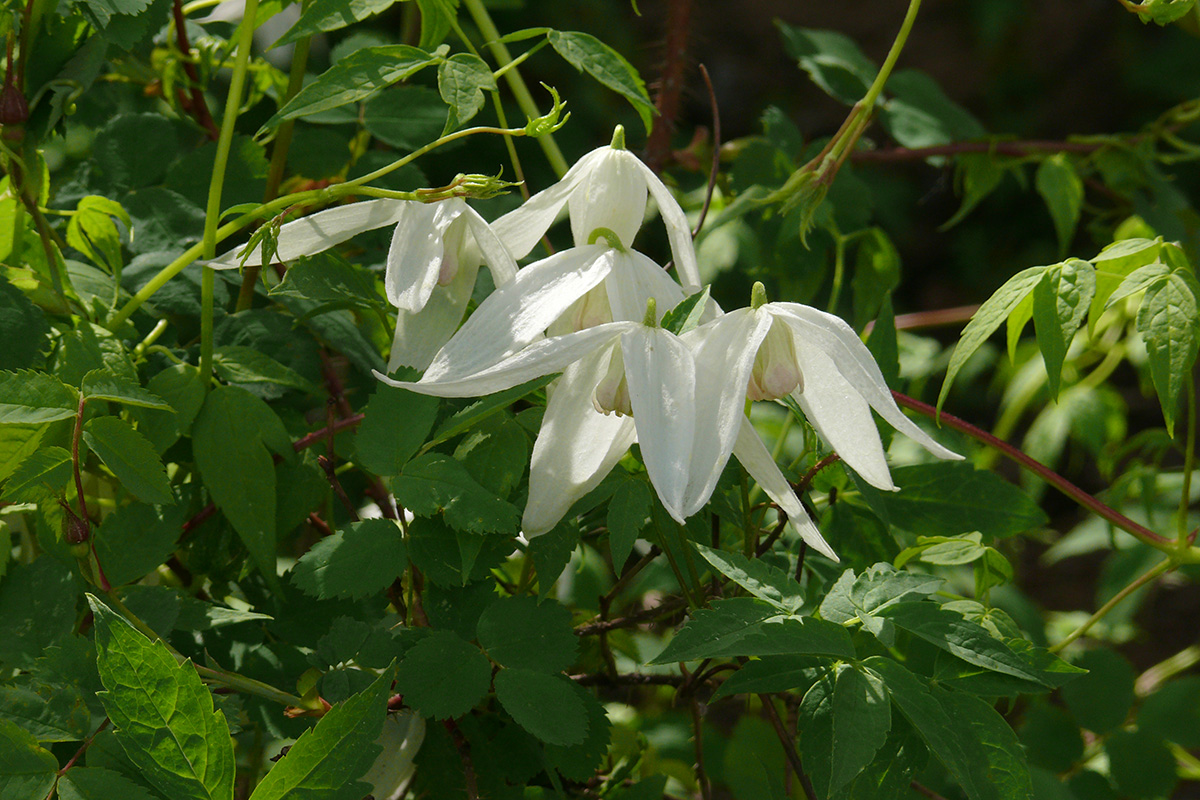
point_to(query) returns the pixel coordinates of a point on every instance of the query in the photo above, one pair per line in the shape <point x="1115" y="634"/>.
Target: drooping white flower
<point x="607" y="188"/>
<point x="435" y="255"/>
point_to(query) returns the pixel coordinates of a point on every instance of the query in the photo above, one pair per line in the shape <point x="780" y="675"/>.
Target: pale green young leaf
<point x="91" y="230"/>
<point x="545" y="705"/>
<point x="361" y="559"/>
<point x="29" y="397"/>
<point x="1061" y="187"/>
<point x="588" y="54"/>
<point x="322" y="16"/>
<point x="1114" y="263"/>
<point x="628" y="512"/>
<point x="434" y="482"/>
<point x="919" y="114"/>
<point x="687" y="315"/>
<point x="104" y="385"/>
<point x="327" y="760"/>
<point x="1168" y="323"/>
<point x="131" y="458"/>
<point x="757" y="577"/>
<point x="944" y="550"/>
<point x="1060" y="302"/>
<point x="864" y="596"/>
<point x="98" y="783"/>
<point x="1015" y="326"/>
<point x="380" y="445"/>
<point x="833" y="61"/>
<point x="462" y="80"/>
<point x="443" y="676"/>
<point x="241" y="364"/>
<point x="27" y="770"/>
<point x="1138" y="280"/>
<point x="44" y="474"/>
<point x="987" y="319"/>
<point x="520" y="633"/>
<point x="162" y="713"/>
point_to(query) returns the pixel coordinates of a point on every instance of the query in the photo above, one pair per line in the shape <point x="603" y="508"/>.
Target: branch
<point x="197" y="106"/>
<point x="670" y="83"/>
<point x="1014" y="148"/>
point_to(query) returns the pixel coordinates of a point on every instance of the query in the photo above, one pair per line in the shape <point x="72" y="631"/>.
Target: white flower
<point x="401" y="739"/>
<point x="435" y="255"/>
<point x="607" y="188"/>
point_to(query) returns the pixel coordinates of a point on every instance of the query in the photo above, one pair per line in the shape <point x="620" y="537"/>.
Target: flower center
<point x="776" y="373"/>
<point x="590" y="310"/>
<point x="612" y="393"/>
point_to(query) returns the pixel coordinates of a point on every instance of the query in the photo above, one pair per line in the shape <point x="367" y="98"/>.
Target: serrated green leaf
<point x="381" y="445"/>
<point x="863" y="596"/>
<point x="29" y="397"/>
<point x="462" y="80"/>
<point x="23" y="326"/>
<point x="103" y="385"/>
<point x="180" y="386"/>
<point x="27" y="770"/>
<point x="355" y="78"/>
<point x="52" y="712"/>
<point x="757" y="577"/>
<point x="974" y="743"/>
<point x="551" y="553"/>
<point x="97" y="783"/>
<point x="240" y="364"/>
<point x="42" y="475"/>
<point x="628" y="512"/>
<point x="131" y="458"/>
<point x="495" y="452"/>
<point x="1168" y="322"/>
<point x="435" y="550"/>
<point x="443" y="676"/>
<point x="545" y="705"/>
<point x="136" y="539"/>
<point x="520" y="633"/>
<point x="37" y="609"/>
<point x="831" y="59"/>
<point x="327" y="761"/>
<point x="434" y="482"/>
<point x="588" y="54"/>
<point x="327" y="278"/>
<point x="361" y="559"/>
<point x="162" y="713"/>
<point x="687" y="314"/>
<point x="1060" y="302"/>
<point x="987" y="319"/>
<point x="483" y="408"/>
<point x="742" y="626"/>
<point x="579" y="762"/>
<point x="322" y="16"/>
<point x="1061" y="187"/>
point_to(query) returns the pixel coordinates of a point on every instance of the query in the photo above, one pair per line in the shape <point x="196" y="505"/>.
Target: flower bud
<point x="776" y="373"/>
<point x="14" y="109"/>
<point x="612" y="393"/>
<point x="76" y="530"/>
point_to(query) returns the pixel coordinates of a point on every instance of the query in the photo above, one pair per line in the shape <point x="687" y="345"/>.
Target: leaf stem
<point x="1158" y="569"/>
<point x="1189" y="462"/>
<point x="789" y="746"/>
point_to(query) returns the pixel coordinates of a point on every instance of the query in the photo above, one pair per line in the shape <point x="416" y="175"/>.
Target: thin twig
<point x="716" y="152"/>
<point x="197" y="106"/>
<point x="670" y="83"/>
<point x="464" y="752"/>
<point x="789" y="747"/>
<point x="925" y="790"/>
<point x="698" y="741"/>
<point x="331" y="476"/>
<point x="626" y="679"/>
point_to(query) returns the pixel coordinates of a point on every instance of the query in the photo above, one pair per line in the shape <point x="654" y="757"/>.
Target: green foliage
<point x="588" y="54"/>
<point x="363" y="558"/>
<point x="443" y="676"/>
<point x="520" y="633"/>
<point x="434" y="483"/>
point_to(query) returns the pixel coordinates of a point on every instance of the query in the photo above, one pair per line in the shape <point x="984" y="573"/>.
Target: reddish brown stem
<point x="789" y="747"/>
<point x="198" y="106"/>
<point x="1018" y="149"/>
<point x="83" y="747"/>
<point x="715" y="167"/>
<point x="670" y="83"/>
<point x="464" y="753"/>
<point x="331" y="476"/>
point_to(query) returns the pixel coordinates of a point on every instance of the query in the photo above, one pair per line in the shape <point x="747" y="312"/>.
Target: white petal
<point x="518" y="312"/>
<point x="611" y="195"/>
<point x="538" y="359"/>
<point x="494" y="253"/>
<point x="678" y="232"/>
<point x="418" y="247"/>
<point x="753" y="455"/>
<point x="576" y="446"/>
<point x="662" y="387"/>
<point x="635" y="279"/>
<point x="419" y="336"/>
<point x="841" y="416"/>
<point x="854" y="361"/>
<point x="521" y="228"/>
<point x="724" y="351"/>
<point x="321" y="231"/>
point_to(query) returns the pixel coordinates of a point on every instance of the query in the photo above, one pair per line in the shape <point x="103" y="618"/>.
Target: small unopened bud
<point x="612" y="393"/>
<point x="775" y="373"/>
<point x="76" y="530"/>
<point x="14" y="108"/>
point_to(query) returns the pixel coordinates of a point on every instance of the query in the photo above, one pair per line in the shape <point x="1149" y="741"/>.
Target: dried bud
<point x="14" y="110"/>
<point x="76" y="530"/>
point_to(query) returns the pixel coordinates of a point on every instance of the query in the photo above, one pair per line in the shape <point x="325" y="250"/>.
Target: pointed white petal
<point x="321" y="231"/>
<point x="662" y="387"/>
<point x="611" y="195"/>
<point x="518" y="312"/>
<point x="753" y="455"/>
<point x="853" y="359"/>
<point x="538" y="359"/>
<point x="521" y="228"/>
<point x="418" y="247"/>
<point x="576" y="446"/>
<point x="724" y="351"/>
<point x="494" y="253"/>
<point x="419" y="336"/>
<point x="841" y="416"/>
<point x="678" y="231"/>
<point x="633" y="280"/>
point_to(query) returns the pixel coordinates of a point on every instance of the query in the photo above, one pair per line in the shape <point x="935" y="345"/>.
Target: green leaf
<point x="1173" y="712"/>
<point x="229" y="440"/>
<point x="1141" y="764"/>
<point x="434" y="482"/>
<point x="483" y="408"/>
<point x="495" y="452"/>
<point x="163" y="714"/>
<point x="443" y="676"/>
<point x="1060" y="302"/>
<point x="976" y="175"/>
<point x="97" y="783"/>
<point x="240" y="364"/>
<point x="322" y="16"/>
<point x="383" y="447"/>
<point x="742" y="626"/>
<point x="326" y="761"/>
<point x="437" y="551"/>
<point x="42" y="475"/>
<point x="437" y="18"/>
<point x="1168" y="321"/>
<point x="876" y="274"/>
<point x="545" y="705"/>
<point x="1101" y="699"/>
<point x="133" y="150"/>
<point x="974" y="743"/>
<point x="551" y="552"/>
<point x="847" y="719"/>
<point x="180" y="386"/>
<point x="588" y="54"/>
<point x="462" y="80"/>
<point x="520" y="633"/>
<point x="23" y="328"/>
<point x="37" y="609"/>
<point x="30" y="397"/>
<point x="136" y="539"/>
<point x="687" y="315"/>
<point x="131" y="458"/>
<point x="628" y="512"/>
<point x="896" y="764"/>
<point x="579" y="762"/>
<point x="361" y="559"/>
<point x="1061" y="187"/>
<point x="1051" y="737"/>
<point x="1138" y="280"/>
<point x="831" y="59"/>
<point x="327" y="278"/>
<point x="864" y="596"/>
<point x="406" y="117"/>
<point x="197" y="615"/>
<point x="772" y="674"/>
<point x="51" y="712"/>
<point x="104" y="385"/>
<point x="27" y="770"/>
<point x="91" y="230"/>
<point x="987" y="319"/>
<point x="1114" y="263"/>
<point x="949" y="498"/>
<point x="919" y="114"/>
<point x="757" y="577"/>
<point x="357" y="77"/>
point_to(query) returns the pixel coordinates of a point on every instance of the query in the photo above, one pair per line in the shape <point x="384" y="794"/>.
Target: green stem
<point x="839" y="271"/>
<point x="683" y="584"/>
<point x="1166" y="669"/>
<point x="212" y="214"/>
<point x="1189" y="462"/>
<point x="516" y="83"/>
<point x="1155" y="571"/>
<point x="888" y="63"/>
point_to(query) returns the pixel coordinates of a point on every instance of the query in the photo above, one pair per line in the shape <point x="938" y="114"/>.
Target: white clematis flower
<point x="435" y="255"/>
<point x="607" y="188"/>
